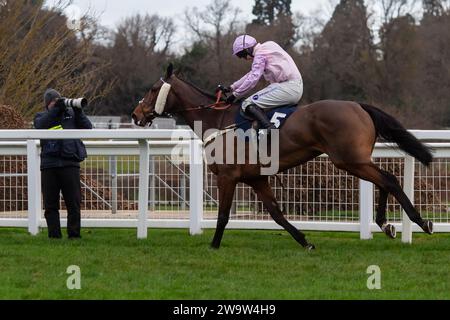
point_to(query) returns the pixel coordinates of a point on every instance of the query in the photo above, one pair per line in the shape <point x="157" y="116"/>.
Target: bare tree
<point x="307" y="28"/>
<point x="392" y="9"/>
<point x="151" y="32"/>
<point x="436" y="7"/>
<point x="37" y="51"/>
<point x="139" y="49"/>
<point x="212" y="25"/>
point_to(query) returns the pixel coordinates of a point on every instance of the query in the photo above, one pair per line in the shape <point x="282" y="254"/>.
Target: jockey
<point x="277" y="67"/>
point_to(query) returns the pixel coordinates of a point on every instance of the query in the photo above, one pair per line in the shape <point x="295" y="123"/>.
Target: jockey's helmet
<point x="242" y="43"/>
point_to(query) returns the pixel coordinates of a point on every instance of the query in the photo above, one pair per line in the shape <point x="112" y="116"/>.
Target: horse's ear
<point x="169" y="71"/>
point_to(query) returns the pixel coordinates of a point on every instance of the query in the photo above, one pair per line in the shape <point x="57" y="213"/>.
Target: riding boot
<point x="261" y="116"/>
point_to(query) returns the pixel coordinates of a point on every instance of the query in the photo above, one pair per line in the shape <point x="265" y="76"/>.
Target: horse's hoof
<point x="390" y="231"/>
<point x="428" y="227"/>
<point x="214" y="247"/>
<point x="310" y="247"/>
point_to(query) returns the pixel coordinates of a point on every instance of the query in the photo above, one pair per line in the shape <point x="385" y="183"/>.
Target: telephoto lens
<point x="79" y="103"/>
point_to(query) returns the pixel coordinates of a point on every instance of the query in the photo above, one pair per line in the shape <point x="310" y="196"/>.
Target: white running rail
<point x="146" y="143"/>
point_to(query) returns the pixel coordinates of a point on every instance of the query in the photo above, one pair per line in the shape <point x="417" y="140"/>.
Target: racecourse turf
<point x="170" y="264"/>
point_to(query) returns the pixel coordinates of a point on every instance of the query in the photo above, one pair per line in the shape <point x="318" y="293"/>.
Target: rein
<point x="218" y="105"/>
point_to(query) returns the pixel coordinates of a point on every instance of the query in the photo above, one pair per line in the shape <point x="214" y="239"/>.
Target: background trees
<point x="212" y="30"/>
<point x="37" y="51"/>
<point x="138" y="49"/>
<point x="392" y="53"/>
<point x="274" y="20"/>
<point x="433" y="80"/>
<point x="344" y="55"/>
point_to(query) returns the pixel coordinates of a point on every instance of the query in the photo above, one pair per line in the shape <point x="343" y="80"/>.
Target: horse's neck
<point x="207" y="118"/>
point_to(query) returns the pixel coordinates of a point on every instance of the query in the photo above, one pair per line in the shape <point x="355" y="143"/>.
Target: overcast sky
<point x="112" y="11"/>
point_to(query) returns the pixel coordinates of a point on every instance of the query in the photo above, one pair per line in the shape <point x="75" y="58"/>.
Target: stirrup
<point x="264" y="133"/>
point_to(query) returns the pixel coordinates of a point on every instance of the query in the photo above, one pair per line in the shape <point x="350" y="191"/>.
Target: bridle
<point x="147" y="115"/>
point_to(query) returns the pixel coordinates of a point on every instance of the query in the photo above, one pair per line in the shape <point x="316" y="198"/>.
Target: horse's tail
<point x="392" y="130"/>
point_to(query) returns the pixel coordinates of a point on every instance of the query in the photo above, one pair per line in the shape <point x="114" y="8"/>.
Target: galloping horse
<point x="345" y="131"/>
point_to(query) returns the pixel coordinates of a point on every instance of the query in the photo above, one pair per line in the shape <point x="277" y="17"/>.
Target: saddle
<point x="277" y="116"/>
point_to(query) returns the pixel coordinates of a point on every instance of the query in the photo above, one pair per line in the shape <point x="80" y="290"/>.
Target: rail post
<point x="152" y="184"/>
<point x="34" y="187"/>
<point x="233" y="210"/>
<point x="196" y="187"/>
<point x="408" y="188"/>
<point x="144" y="153"/>
<point x="365" y="209"/>
<point x="113" y="175"/>
<point x="182" y="182"/>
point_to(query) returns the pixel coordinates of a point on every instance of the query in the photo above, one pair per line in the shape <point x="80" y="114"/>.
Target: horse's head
<point x="159" y="101"/>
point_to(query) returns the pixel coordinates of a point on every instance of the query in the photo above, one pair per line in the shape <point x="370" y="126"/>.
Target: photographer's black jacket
<point x="62" y="153"/>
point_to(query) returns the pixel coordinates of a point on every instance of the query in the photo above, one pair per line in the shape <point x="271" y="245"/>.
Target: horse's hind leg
<point x="265" y="194"/>
<point x="390" y="184"/>
<point x="395" y="189"/>
<point x="381" y="220"/>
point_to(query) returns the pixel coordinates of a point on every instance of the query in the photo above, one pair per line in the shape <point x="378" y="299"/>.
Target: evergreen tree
<point x="398" y="67"/>
<point x="267" y="11"/>
<point x="273" y="22"/>
<point x="344" y="54"/>
<point x="435" y="64"/>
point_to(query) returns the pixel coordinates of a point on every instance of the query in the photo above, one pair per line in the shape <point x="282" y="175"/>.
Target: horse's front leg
<point x="265" y="194"/>
<point x="226" y="186"/>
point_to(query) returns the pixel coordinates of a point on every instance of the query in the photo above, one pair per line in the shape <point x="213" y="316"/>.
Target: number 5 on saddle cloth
<point x="277" y="116"/>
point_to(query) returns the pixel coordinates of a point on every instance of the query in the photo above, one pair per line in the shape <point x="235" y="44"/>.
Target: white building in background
<point x="105" y="122"/>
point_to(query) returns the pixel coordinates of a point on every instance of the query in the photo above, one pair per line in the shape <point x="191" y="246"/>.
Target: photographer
<point x="60" y="161"/>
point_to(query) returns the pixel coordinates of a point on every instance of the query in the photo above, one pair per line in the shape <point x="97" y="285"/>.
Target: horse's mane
<point x="209" y="95"/>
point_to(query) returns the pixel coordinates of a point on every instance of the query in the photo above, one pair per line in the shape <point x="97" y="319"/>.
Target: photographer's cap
<point x="50" y="95"/>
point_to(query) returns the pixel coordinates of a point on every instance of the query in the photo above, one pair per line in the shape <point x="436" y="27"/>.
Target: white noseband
<point x="162" y="98"/>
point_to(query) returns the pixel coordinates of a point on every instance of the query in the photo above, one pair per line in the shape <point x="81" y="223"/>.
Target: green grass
<point x="125" y="164"/>
<point x="170" y="264"/>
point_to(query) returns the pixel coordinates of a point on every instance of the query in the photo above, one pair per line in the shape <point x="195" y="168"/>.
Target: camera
<point x="79" y="103"/>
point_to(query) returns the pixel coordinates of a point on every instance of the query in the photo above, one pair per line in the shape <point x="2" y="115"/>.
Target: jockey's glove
<point x="231" y="99"/>
<point x="223" y="89"/>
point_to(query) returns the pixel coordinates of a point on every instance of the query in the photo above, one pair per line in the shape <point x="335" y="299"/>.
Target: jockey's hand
<point x="231" y="99"/>
<point x="223" y="89"/>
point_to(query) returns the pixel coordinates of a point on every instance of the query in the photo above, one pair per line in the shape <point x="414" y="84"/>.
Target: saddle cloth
<point x="277" y="116"/>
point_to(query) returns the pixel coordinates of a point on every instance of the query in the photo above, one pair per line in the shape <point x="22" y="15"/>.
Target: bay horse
<point x="345" y="131"/>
